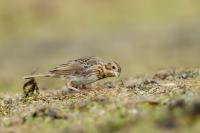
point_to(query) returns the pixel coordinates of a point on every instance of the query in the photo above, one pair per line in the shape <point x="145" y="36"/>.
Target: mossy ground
<point x="166" y="101"/>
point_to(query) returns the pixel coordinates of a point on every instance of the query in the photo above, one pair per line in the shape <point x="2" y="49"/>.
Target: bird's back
<point x="79" y="69"/>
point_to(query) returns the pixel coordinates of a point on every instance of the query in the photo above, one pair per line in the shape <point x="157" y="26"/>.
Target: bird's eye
<point x="113" y="67"/>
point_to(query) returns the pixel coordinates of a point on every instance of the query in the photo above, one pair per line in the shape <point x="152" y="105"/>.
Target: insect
<point x="82" y="71"/>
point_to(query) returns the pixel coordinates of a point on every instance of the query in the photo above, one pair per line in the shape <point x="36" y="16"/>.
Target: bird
<point x="82" y="71"/>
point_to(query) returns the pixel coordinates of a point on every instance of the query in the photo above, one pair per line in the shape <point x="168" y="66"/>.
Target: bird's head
<point x="112" y="69"/>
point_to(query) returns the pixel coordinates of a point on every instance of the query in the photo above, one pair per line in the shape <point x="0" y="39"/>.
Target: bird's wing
<point x="77" y="67"/>
<point x="70" y="68"/>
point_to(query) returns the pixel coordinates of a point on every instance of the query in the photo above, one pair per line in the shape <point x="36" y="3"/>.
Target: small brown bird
<point x="82" y="71"/>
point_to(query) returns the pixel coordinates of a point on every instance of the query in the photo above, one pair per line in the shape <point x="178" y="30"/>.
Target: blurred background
<point x="141" y="35"/>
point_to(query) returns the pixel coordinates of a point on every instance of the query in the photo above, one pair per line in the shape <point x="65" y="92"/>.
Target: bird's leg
<point x="70" y="86"/>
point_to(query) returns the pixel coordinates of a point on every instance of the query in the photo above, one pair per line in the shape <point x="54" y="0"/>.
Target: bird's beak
<point x="117" y="74"/>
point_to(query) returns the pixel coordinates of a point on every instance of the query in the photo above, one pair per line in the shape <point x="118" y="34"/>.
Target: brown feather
<point x="77" y="67"/>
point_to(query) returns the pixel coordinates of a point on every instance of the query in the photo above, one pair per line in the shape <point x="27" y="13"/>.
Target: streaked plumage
<point x="82" y="71"/>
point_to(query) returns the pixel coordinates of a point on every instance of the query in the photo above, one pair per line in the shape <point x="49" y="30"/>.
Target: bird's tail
<point x="37" y="75"/>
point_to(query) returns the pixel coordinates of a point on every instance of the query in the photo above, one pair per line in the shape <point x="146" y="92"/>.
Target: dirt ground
<point x="167" y="101"/>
